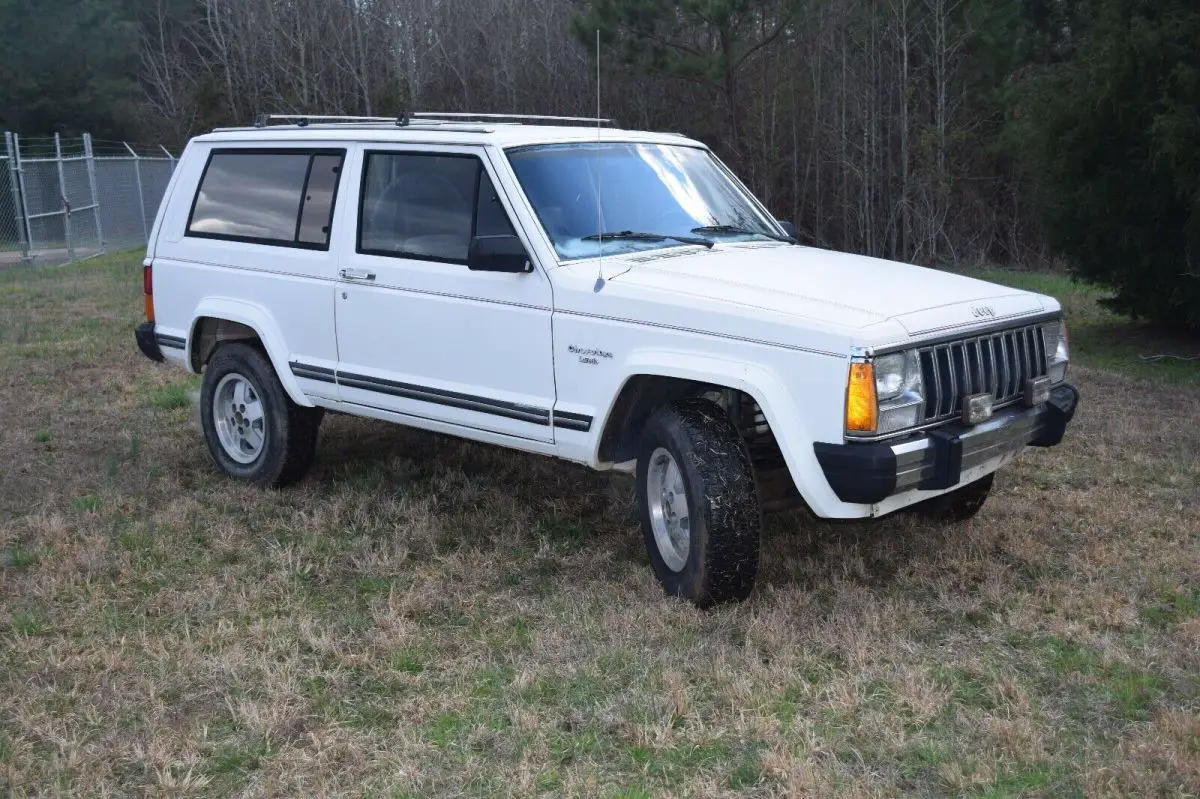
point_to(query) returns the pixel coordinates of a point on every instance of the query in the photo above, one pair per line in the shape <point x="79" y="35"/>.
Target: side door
<point x="418" y="332"/>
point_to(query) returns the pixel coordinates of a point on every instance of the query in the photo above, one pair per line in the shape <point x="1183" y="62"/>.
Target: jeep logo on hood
<point x="983" y="311"/>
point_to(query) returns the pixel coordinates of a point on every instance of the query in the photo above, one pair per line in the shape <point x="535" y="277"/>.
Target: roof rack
<point x="422" y="119"/>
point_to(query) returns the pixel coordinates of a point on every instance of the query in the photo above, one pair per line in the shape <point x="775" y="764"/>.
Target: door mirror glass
<point x="502" y="253"/>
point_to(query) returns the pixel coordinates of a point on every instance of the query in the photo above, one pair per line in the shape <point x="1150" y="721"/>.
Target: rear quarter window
<point x="279" y="197"/>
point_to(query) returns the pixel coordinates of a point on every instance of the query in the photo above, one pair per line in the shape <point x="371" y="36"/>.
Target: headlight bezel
<point x="896" y="388"/>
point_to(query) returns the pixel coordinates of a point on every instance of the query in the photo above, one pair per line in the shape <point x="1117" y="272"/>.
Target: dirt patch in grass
<point x="428" y="616"/>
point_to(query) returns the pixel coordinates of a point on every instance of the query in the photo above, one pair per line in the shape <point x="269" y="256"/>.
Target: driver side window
<point x="426" y="206"/>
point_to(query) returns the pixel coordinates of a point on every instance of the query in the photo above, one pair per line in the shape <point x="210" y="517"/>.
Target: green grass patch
<point x="1067" y="658"/>
<point x="171" y="397"/>
<point x="448" y="729"/>
<point x="1093" y="687"/>
<point x="87" y="504"/>
<point x="411" y="660"/>
<point x="238" y="759"/>
<point x="968" y="689"/>
<point x="1034" y="779"/>
<point x="919" y="762"/>
<point x="748" y="773"/>
<point x="786" y="705"/>
<point x="21" y="557"/>
<point x="363" y="701"/>
<point x="1172" y="608"/>
<point x="493" y="682"/>
<point x="27" y="623"/>
<point x="1133" y="691"/>
<point x="632" y="793"/>
<point x="671" y="764"/>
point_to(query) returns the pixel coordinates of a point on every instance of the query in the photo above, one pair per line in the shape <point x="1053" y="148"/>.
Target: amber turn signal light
<point x="862" y="411"/>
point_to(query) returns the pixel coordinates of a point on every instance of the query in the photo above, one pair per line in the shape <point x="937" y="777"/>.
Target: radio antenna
<point x="599" y="193"/>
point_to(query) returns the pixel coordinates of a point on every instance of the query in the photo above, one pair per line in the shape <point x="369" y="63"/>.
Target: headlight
<point x="884" y="395"/>
<point x="900" y="390"/>
<point x="1056" y="348"/>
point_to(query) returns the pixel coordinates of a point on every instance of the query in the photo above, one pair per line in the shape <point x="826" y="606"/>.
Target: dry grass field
<point x="425" y="616"/>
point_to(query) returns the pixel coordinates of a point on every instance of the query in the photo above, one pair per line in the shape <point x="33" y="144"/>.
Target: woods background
<point x="935" y="131"/>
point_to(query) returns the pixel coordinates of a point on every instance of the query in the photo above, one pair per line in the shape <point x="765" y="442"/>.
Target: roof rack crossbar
<point x="303" y="120"/>
<point x="459" y="116"/>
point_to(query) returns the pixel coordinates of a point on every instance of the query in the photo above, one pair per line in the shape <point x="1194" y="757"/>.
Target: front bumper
<point x="936" y="460"/>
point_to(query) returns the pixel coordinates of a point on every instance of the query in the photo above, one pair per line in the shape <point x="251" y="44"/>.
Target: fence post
<point x="170" y="157"/>
<point x="24" y="196"/>
<point x="15" y="178"/>
<point x="137" y="175"/>
<point x="62" y="190"/>
<point x="91" y="170"/>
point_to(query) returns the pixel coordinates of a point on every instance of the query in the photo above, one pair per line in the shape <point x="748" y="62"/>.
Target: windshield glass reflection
<point x="667" y="190"/>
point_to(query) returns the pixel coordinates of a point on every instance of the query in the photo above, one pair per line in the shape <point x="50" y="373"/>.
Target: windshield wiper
<point x="633" y="235"/>
<point x="734" y="229"/>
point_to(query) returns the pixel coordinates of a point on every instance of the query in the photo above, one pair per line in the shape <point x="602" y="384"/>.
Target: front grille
<point x="998" y="363"/>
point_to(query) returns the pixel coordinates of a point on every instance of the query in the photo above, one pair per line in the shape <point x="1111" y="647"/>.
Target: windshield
<point x="660" y="191"/>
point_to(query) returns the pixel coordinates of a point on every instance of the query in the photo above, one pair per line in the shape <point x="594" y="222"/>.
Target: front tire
<point x="698" y="503"/>
<point x="253" y="429"/>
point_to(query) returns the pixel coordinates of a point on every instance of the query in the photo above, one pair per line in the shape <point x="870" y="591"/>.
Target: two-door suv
<point x="610" y="297"/>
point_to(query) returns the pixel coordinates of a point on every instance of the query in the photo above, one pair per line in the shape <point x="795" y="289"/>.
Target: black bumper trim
<point x="1060" y="410"/>
<point x="947" y="460"/>
<point x="147" y="342"/>
<point x="859" y="473"/>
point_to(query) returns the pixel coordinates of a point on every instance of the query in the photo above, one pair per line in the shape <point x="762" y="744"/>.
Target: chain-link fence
<point x="68" y="199"/>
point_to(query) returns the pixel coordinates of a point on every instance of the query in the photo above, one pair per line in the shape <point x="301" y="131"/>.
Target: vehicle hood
<point x="873" y="300"/>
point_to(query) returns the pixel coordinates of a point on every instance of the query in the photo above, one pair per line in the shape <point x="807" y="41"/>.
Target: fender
<point x="263" y="323"/>
<point x="783" y="410"/>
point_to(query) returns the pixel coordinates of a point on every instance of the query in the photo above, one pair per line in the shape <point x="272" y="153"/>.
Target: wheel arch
<point x="656" y="377"/>
<point x="653" y="381"/>
<point x="638" y="397"/>
<point x="219" y="319"/>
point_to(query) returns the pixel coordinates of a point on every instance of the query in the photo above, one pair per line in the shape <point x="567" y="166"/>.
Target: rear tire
<point x="703" y="545"/>
<point x="960" y="504"/>
<point x="253" y="429"/>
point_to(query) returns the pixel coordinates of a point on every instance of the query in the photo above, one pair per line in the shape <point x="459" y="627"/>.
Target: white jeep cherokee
<point x="614" y="298"/>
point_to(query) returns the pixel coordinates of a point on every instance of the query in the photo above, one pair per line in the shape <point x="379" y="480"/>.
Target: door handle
<point x="356" y="274"/>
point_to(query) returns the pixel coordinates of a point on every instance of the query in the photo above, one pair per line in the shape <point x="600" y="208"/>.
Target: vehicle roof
<point x="502" y="135"/>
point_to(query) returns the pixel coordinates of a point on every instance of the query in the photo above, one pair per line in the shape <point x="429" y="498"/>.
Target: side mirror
<point x="498" y="254"/>
<point x="789" y="228"/>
